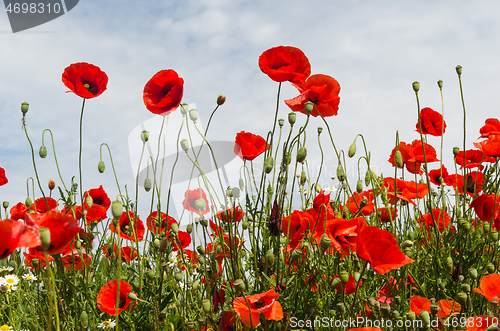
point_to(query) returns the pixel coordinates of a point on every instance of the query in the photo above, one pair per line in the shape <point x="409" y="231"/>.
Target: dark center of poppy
<point x="167" y="91"/>
<point x="122" y="303"/>
<point x="260" y="303"/>
<point x="89" y="87"/>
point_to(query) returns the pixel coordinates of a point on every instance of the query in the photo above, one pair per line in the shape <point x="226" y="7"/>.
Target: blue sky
<point x="374" y="49"/>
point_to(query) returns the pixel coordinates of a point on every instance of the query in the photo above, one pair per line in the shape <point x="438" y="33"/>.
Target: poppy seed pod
<point x="494" y="235"/>
<point x="325" y="242"/>
<point x="344" y="277"/>
<point x="147" y="184"/>
<point x="184" y="145"/>
<point x="52" y="184"/>
<point x="456" y="150"/>
<point x="150" y="275"/>
<point x="424" y="316"/>
<point x="207" y="307"/>
<point x="145" y="136"/>
<point x="201" y="250"/>
<point x="301" y="154"/>
<point x="385" y="309"/>
<point x="440" y="83"/>
<point x="490" y="268"/>
<point x="84" y="319"/>
<point x="221" y="99"/>
<point x="24" y="107"/>
<point x="174" y="227"/>
<point x="335" y="283"/>
<point x="200" y="205"/>
<point x="359" y="186"/>
<point x="296" y="254"/>
<point x="116" y="209"/>
<point x="352" y="150"/>
<point x="184" y="108"/>
<point x="340" y="308"/>
<point x="28" y="202"/>
<point x="101" y="167"/>
<point x="458" y="68"/>
<point x="236" y="192"/>
<point x="398" y="159"/>
<point x="462" y="298"/>
<point x="193" y="115"/>
<point x="320" y="129"/>
<point x="239" y="285"/>
<point x="309" y="107"/>
<point x="43" y="152"/>
<point x="292" y="118"/>
<point x="78" y="244"/>
<point x="5" y="204"/>
<point x="245" y="225"/>
<point x="45" y="237"/>
<point x="473" y="273"/>
<point x="178" y="276"/>
<point x="416" y="86"/>
<point x="486" y="227"/>
<point x="268" y="164"/>
<point x="466" y="288"/>
<point x="434" y="309"/>
<point x="281" y="122"/>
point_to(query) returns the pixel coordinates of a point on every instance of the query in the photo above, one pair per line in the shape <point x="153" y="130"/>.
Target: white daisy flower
<point x="172" y="262"/>
<point x="30" y="277"/>
<point x="11" y="280"/>
<point x="107" y="325"/>
<point x="8" y="269"/>
<point x="5" y="327"/>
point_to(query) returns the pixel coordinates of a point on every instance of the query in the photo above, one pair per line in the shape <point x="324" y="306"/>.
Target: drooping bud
<point x="309" y="107"/>
<point x="221" y="99"/>
<point x="43" y="152"/>
<point x="145" y="136"/>
<point x="292" y="118"/>
<point x="416" y="86"/>
<point x="398" y="159"/>
<point x="52" y="184"/>
<point x="359" y="186"/>
<point x="317" y="187"/>
<point x="24" y="107"/>
<point x="245" y="225"/>
<point x="184" y="109"/>
<point x="340" y="173"/>
<point x="89" y="201"/>
<point x="269" y="257"/>
<point x="101" y="166"/>
<point x="28" y="202"/>
<point x="303" y="178"/>
<point x="236" y="192"/>
<point x="184" y="145"/>
<point x="449" y="263"/>
<point x="367" y="177"/>
<point x="458" y="68"/>
<point x="301" y="154"/>
<point x="189" y="228"/>
<point x="268" y="164"/>
<point x="147" y="184"/>
<point x="193" y="115"/>
<point x="352" y="150"/>
<point x="116" y="209"/>
<point x="45" y="237"/>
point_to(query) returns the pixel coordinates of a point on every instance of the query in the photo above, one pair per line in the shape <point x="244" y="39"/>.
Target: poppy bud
<point x="101" y="167"/>
<point x="301" y="154"/>
<point x="490" y="268"/>
<point x="281" y="122"/>
<point x="145" y="136"/>
<point x="303" y="178"/>
<point x="416" y="86"/>
<point x="320" y="129"/>
<point x="462" y="298"/>
<point x="395" y="314"/>
<point x="494" y="235"/>
<point x="89" y="201"/>
<point x="352" y="150"/>
<point x="296" y="254"/>
<point x="196" y="283"/>
<point x="78" y="244"/>
<point x="344" y="277"/>
<point x="178" y="276"/>
<point x="398" y="159"/>
<point x="357" y="276"/>
<point x="434" y="309"/>
<point x="174" y="227"/>
<point x="116" y="209"/>
<point x="486" y="227"/>
<point x="340" y="173"/>
<point x="336" y="282"/>
<point x="24" y="107"/>
<point x="292" y="118"/>
<point x="84" y="319"/>
<point x="193" y="115"/>
<point x="184" y="145"/>
<point x="492" y="327"/>
<point x="449" y="263"/>
<point x="268" y="164"/>
<point x="200" y="205"/>
<point x="367" y="177"/>
<point x="5" y="204"/>
<point x="156" y="242"/>
<point x="28" y="202"/>
<point x="189" y="228"/>
<point x="407" y="243"/>
<point x="371" y="301"/>
<point x="43" y="152"/>
<point x="147" y="184"/>
<point x="424" y="316"/>
<point x="318" y="188"/>
<point x="466" y="288"/>
<point x="241" y="184"/>
<point x="325" y="242"/>
<point x="385" y="309"/>
<point x="184" y="108"/>
<point x="221" y="99"/>
<point x="207" y="307"/>
<point x="52" y="184"/>
<point x="408" y="252"/>
<point x="150" y="275"/>
<point x="473" y="273"/>
<point x="459" y="70"/>
<point x="45" y="237"/>
<point x="269" y="257"/>
<point x="132" y="296"/>
<point x="440" y="83"/>
<point x="359" y="186"/>
<point x="236" y="192"/>
<point x="456" y="150"/>
<point x="239" y="285"/>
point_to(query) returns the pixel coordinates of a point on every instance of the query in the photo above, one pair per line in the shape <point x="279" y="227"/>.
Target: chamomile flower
<point x="107" y="325"/>
<point x="172" y="262"/>
<point x="30" y="277"/>
<point x="4" y="269"/>
<point x="11" y="280"/>
<point x="5" y="327"/>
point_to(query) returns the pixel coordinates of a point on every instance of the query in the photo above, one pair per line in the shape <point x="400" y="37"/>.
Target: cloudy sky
<point x="375" y="49"/>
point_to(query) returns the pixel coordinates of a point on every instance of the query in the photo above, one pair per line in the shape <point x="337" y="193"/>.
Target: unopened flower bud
<point x="45" y="237"/>
<point x="150" y="275"/>
<point x="239" y="285"/>
<point x="344" y="277"/>
<point x="206" y="305"/>
<point x="336" y="282"/>
<point x="163" y="245"/>
<point x="78" y="244"/>
<point x="178" y="276"/>
<point x="52" y="184"/>
<point x="132" y="296"/>
<point x="174" y="227"/>
<point x="309" y="107"/>
<point x="340" y="173"/>
<point x="28" y="202"/>
<point x="43" y="152"/>
<point x="147" y="184"/>
<point x="398" y="159"/>
<point x="459" y="70"/>
<point x="189" y="228"/>
<point x="490" y="268"/>
<point x="156" y="242"/>
<point x="352" y="150"/>
<point x="184" y="145"/>
<point x="24" y="107"/>
<point x="303" y="178"/>
<point x="184" y="108"/>
<point x="494" y="235"/>
<point x="145" y="136"/>
<point x="235" y="192"/>
<point x="424" y="316"/>
<point x="84" y="319"/>
<point x="325" y="242"/>
<point x="101" y="166"/>
<point x="301" y="154"/>
<point x="269" y="257"/>
<point x="89" y="201"/>
<point x="268" y="164"/>
<point x="416" y="86"/>
<point x="367" y="177"/>
<point x="473" y="273"/>
<point x="193" y="115"/>
<point x="221" y="99"/>
<point x="440" y="83"/>
<point x="359" y="186"/>
<point x="486" y="227"/>
<point x="292" y="118"/>
<point x="462" y="298"/>
<point x="116" y="209"/>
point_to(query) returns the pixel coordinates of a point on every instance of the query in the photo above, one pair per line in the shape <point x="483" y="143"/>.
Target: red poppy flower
<point x="40" y="205"/>
<point x="130" y="227"/>
<point x="3" y="179"/>
<point x="296" y="226"/>
<point x="349" y="287"/>
<point x="379" y="248"/>
<point x="355" y="201"/>
<point x="264" y="303"/>
<point x="486" y="207"/>
<point x="385" y="216"/>
<point x="386" y="292"/>
<point x="248" y="146"/>
<point x="158" y="226"/>
<point x="15" y="234"/>
<point x="437" y="176"/>
<point x="447" y="307"/>
<point x="63" y="228"/>
<point x="441" y="218"/>
<point x="128" y="254"/>
<point x="182" y="239"/>
<point x="474" y="182"/>
<point x="34" y="254"/>
<point x="491" y="126"/>
<point x="226" y="322"/>
<point x="473" y="158"/>
<point x="432" y="122"/>
<point x="74" y="261"/>
<point x="413" y="155"/>
<point x="218" y="230"/>
<point x="321" y="203"/>
<point x="322" y="90"/>
<point x="163" y="92"/>
<point x="480" y="322"/>
<point x="490" y="146"/>
<point x="285" y="63"/>
<point x="190" y="201"/>
<point x="417" y="304"/>
<point x="85" y="80"/>
<point x="342" y="234"/>
<point x="17" y="211"/>
<point x="231" y="215"/>
<point x="106" y="299"/>
<point x="100" y="205"/>
<point x="490" y="287"/>
<point x="404" y="190"/>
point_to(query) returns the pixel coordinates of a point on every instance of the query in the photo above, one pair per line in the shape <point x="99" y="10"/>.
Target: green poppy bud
<point x="395" y="314"/>
<point x="178" y="276"/>
<point x="449" y="263"/>
<point x="292" y="118"/>
<point x="241" y="184"/>
<point x="344" y="277"/>
<point x="201" y="259"/>
<point x="317" y="187"/>
<point x="398" y="159"/>
<point x="201" y="250"/>
<point x="189" y="228"/>
<point x="116" y="209"/>
<point x="296" y="254"/>
<point x="281" y="122"/>
<point x="132" y="296"/>
<point x="5" y="204"/>
<point x="101" y="167"/>
<point x="150" y="275"/>
<point x="456" y="150"/>
<point x="45" y="237"/>
<point x="269" y="257"/>
<point x="303" y="178"/>
<point x="147" y="184"/>
<point x="359" y="186"/>
<point x="492" y="327"/>
<point x="486" y="227"/>
<point x="416" y="86"/>
<point x="490" y="268"/>
<point x="336" y="282"/>
<point x="24" y="107"/>
<point x="301" y="154"/>
<point x="145" y="136"/>
<point x="196" y="284"/>
<point x="459" y="70"/>
<point x="28" y="202"/>
<point x="245" y="225"/>
<point x="84" y="319"/>
<point x="407" y="243"/>
<point x="494" y="235"/>
<point x="239" y="285"/>
<point x="473" y="273"/>
<point x="385" y="309"/>
<point x="35" y="262"/>
<point x="309" y="107"/>
<point x="440" y="83"/>
<point x="43" y="152"/>
<point x="184" y="109"/>
<point x="193" y="115"/>
<point x="200" y="205"/>
<point x="174" y="227"/>
<point x="367" y="177"/>
<point x="221" y="99"/>
<point x="206" y="305"/>
<point x="268" y="164"/>
<point x="156" y="242"/>
<point x="466" y="288"/>
<point x="424" y="316"/>
<point x="184" y="145"/>
<point x="357" y="276"/>
<point x="352" y="150"/>
<point x="325" y="242"/>
<point x="89" y="201"/>
<point x="78" y="244"/>
<point x="340" y="173"/>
